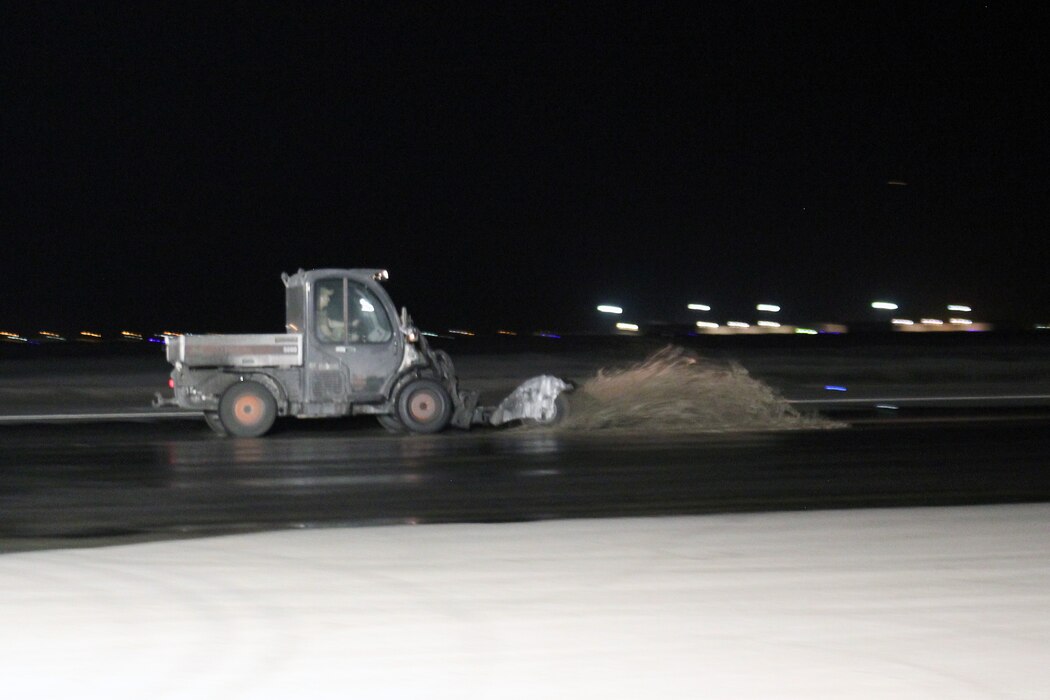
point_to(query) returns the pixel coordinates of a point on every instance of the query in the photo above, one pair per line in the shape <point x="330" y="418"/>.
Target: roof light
<point x="609" y="309"/>
<point x="959" y="307"/>
<point x="888" y="305"/>
<point x="627" y="326"/>
<point x="768" y="307"/>
<point x="738" y="324"/>
<point x="769" y="324"/>
<point x="699" y="307"/>
<point x="706" y="324"/>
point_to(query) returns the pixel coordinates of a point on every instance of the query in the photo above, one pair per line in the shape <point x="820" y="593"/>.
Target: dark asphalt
<point x="76" y="484"/>
<point x="85" y="483"/>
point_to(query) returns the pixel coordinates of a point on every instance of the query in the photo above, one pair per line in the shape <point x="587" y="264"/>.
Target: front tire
<point x="247" y="409"/>
<point x="424" y="406"/>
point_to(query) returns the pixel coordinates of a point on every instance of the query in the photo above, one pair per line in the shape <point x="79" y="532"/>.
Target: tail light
<point x="171" y="382"/>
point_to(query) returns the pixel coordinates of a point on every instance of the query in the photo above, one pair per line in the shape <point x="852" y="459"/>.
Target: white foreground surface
<point x="919" y="603"/>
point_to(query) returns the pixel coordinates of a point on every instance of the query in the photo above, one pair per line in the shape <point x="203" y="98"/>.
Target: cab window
<point x="347" y="312"/>
<point x="329" y="311"/>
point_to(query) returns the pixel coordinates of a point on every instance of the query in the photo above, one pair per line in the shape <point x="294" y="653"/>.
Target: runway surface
<point x="77" y="484"/>
<point x="70" y="478"/>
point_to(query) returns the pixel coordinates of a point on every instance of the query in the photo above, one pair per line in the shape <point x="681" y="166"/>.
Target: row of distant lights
<point x="955" y="321"/>
<point x="86" y="336"/>
<point x="768" y="308"/>
<point x="773" y="308"/>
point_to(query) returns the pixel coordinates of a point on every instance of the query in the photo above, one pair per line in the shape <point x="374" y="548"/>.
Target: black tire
<point x="247" y="409"/>
<point x="424" y="406"/>
<point x="215" y="423"/>
<point x="561" y="410"/>
<point x="391" y="423"/>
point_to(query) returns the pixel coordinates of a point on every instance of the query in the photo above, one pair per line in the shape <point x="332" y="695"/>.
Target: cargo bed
<point x="243" y="350"/>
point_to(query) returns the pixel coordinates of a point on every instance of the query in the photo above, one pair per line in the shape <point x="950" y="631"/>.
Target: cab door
<point x="357" y="341"/>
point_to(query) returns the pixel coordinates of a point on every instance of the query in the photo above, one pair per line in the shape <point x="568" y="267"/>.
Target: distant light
<point x="888" y="407"/>
<point x="738" y="324"/>
<point x="607" y="309"/>
<point x="1042" y="327"/>
<point x="768" y="307"/>
<point x="699" y="307"/>
<point x="627" y="326"/>
<point x="459" y="332"/>
<point x="769" y="324"/>
<point x="959" y="307"/>
<point x="156" y="340"/>
<point x="931" y="321"/>
<point x="131" y="335"/>
<point x="547" y="334"/>
<point x="833" y="387"/>
<point x="806" y="331"/>
<point x="506" y="333"/>
<point x="902" y="322"/>
<point x="89" y="334"/>
<point x="706" y="324"/>
<point x="960" y="321"/>
<point x="429" y="334"/>
<point x="896" y="183"/>
<point x="888" y="305"/>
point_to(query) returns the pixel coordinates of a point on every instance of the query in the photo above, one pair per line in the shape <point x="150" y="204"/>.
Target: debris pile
<point x="675" y="390"/>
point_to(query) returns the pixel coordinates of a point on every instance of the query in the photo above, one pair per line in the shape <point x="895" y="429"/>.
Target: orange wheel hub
<point x="249" y="410"/>
<point x="423" y="406"/>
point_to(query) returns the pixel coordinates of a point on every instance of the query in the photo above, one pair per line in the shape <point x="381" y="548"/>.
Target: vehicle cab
<point x="353" y="344"/>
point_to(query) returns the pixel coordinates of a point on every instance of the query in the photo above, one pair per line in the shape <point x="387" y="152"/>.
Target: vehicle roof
<point x="363" y="274"/>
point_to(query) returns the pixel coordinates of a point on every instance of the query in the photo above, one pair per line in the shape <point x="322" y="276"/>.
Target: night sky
<point x="514" y="165"/>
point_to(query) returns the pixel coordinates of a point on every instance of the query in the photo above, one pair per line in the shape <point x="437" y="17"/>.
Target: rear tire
<point x="215" y="423"/>
<point x="247" y="409"/>
<point x="424" y="406"/>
